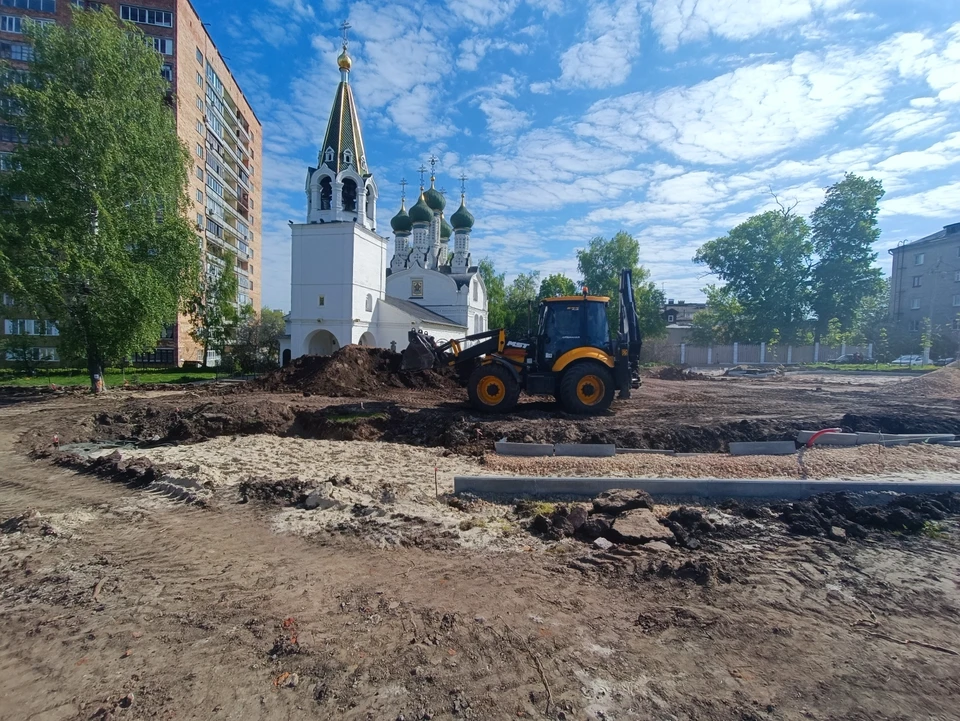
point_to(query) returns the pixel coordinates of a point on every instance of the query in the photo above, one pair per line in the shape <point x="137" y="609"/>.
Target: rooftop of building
<point x="951" y="231"/>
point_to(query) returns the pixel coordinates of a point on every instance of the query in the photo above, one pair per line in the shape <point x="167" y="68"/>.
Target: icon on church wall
<point x="416" y="287"/>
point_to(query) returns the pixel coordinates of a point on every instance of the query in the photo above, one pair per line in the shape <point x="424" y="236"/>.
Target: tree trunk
<point x="95" y="369"/>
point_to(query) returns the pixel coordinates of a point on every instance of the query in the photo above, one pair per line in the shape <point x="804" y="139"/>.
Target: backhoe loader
<point x="571" y="356"/>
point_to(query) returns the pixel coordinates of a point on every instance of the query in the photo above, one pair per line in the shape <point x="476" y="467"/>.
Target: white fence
<point x="751" y="354"/>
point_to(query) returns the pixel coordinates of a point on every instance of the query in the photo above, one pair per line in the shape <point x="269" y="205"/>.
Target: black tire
<point x="587" y="389"/>
<point x="492" y="389"/>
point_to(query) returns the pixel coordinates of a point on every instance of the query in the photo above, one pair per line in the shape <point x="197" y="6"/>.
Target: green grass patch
<point x="932" y="529"/>
<point x="534" y="508"/>
<point x="883" y="367"/>
<point x="113" y="377"/>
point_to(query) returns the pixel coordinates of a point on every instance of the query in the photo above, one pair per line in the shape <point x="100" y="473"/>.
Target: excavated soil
<point x="353" y="371"/>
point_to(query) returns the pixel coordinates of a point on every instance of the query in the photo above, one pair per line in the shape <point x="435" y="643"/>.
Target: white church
<point x="343" y="289"/>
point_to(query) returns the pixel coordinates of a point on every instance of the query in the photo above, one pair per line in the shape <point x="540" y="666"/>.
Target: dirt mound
<point x="353" y="371"/>
<point x="941" y="383"/>
<point x="679" y="373"/>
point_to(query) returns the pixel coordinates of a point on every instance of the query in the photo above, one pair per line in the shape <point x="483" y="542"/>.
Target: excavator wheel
<point x="587" y="388"/>
<point x="493" y="389"/>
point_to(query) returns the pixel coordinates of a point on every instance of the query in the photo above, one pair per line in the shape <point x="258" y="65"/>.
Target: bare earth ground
<point x="117" y="602"/>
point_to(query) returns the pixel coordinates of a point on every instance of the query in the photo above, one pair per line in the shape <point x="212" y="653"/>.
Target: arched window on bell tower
<point x="328" y="155"/>
<point x="349" y="195"/>
<point x="326" y="193"/>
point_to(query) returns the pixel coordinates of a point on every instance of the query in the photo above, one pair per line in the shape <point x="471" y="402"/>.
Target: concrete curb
<point x="785" y="488"/>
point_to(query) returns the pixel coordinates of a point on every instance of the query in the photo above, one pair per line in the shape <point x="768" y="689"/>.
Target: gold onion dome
<point x="344" y="60"/>
<point x="421" y="212"/>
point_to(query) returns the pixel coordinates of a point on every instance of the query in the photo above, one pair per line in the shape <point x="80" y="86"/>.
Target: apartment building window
<point x="199" y="56"/>
<point x="200" y="127"/>
<point x="18" y="327"/>
<point x="44" y="6"/>
<point x="956" y="277"/>
<point x="914" y="325"/>
<point x="9" y="299"/>
<point x="6" y="162"/>
<point x="320" y="300"/>
<point x="214" y="80"/>
<point x="215" y="186"/>
<point x="45" y="327"/>
<point x="200" y="196"/>
<point x="199" y="150"/>
<point x="199" y="173"/>
<point x="918" y="259"/>
<point x="917" y="280"/>
<point x="11" y="24"/>
<point x="214" y="228"/>
<point x="199" y="103"/>
<point x="164" y="46"/>
<point x="167" y="73"/>
<point x="9" y="134"/>
<point x="16" y="51"/>
<point x="200" y="220"/>
<point x="915" y="304"/>
<point x="199" y="80"/>
<point x="956" y="301"/>
<point x="146" y="16"/>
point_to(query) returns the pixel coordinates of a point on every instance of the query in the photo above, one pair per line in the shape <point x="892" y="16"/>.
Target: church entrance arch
<point x="286" y="356"/>
<point x="367" y="340"/>
<point x="322" y="342"/>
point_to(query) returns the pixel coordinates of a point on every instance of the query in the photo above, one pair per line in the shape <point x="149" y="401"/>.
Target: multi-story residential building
<point x="925" y="283"/>
<point x="681" y="312"/>
<point x="214" y="121"/>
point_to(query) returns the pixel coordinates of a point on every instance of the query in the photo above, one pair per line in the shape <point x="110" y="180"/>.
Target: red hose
<point x="816" y="435"/>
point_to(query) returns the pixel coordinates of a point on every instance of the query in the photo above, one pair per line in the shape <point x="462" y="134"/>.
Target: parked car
<point x="944" y="361"/>
<point x="908" y="360"/>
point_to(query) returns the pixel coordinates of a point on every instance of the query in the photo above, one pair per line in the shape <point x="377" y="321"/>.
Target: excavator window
<point x="565" y="326"/>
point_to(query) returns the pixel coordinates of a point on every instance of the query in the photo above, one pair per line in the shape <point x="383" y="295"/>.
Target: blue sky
<point x="670" y="119"/>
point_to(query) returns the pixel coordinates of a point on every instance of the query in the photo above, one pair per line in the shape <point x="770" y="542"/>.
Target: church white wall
<point x="440" y="293"/>
<point x="343" y="262"/>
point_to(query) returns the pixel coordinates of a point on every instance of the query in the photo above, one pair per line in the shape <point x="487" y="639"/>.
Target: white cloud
<point x="940" y="155"/>
<point x="604" y="59"/>
<point x="300" y="9"/>
<point x="540" y="88"/>
<point x="679" y="21"/>
<point x="907" y="123"/>
<point x="473" y="50"/>
<point x="504" y="121"/>
<point x="754" y="111"/>
<point x="938" y="202"/>
<point x="482" y="12"/>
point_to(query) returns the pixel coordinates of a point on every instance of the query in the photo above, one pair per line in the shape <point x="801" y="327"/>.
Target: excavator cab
<point x="571" y="322"/>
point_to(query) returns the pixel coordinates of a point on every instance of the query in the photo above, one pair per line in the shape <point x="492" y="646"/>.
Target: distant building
<point x="214" y="121"/>
<point x="925" y="282"/>
<point x="680" y="313"/>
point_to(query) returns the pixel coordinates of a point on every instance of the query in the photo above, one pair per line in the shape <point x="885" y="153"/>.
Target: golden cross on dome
<point x="403" y="189"/>
<point x="422" y="171"/>
<point x="344" y="26"/>
<point x="463" y="184"/>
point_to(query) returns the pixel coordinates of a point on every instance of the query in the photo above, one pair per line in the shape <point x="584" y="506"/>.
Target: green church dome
<point x="401" y="222"/>
<point x="435" y="198"/>
<point x="445" y="230"/>
<point x="463" y="218"/>
<point x="421" y="212"/>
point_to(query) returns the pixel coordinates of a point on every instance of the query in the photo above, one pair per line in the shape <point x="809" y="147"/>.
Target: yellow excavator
<point x="572" y="356"/>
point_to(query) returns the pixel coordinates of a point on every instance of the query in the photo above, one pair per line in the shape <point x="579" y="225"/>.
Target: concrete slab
<point x="523" y="449"/>
<point x="512" y="486"/>
<point x="763" y="448"/>
<point x="904" y="440"/>
<point x="652" y="451"/>
<point x="585" y="450"/>
<point x="949" y="444"/>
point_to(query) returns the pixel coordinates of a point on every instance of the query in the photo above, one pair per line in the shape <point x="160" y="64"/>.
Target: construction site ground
<point x="163" y="564"/>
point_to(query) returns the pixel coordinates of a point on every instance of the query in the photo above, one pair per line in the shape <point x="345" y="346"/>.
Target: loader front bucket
<point x="418" y="355"/>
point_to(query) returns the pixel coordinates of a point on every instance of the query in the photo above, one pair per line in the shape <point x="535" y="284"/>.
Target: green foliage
<point x="256" y="345"/>
<point x="934" y="530"/>
<point x="556" y="284"/>
<point x="723" y="320"/>
<point x="496" y="294"/>
<point x="213" y="310"/>
<point x="522" y="304"/>
<point x="600" y="264"/>
<point x="112" y="377"/>
<point x="102" y="244"/>
<point x="19" y="350"/>
<point x="765" y="264"/>
<point x="844" y="229"/>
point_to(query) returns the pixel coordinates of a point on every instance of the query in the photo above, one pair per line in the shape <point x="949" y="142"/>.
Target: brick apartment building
<point x="214" y="121"/>
<point x="925" y="282"/>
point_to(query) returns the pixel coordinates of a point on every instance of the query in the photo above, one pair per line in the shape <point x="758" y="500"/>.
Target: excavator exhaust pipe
<point x="419" y="355"/>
